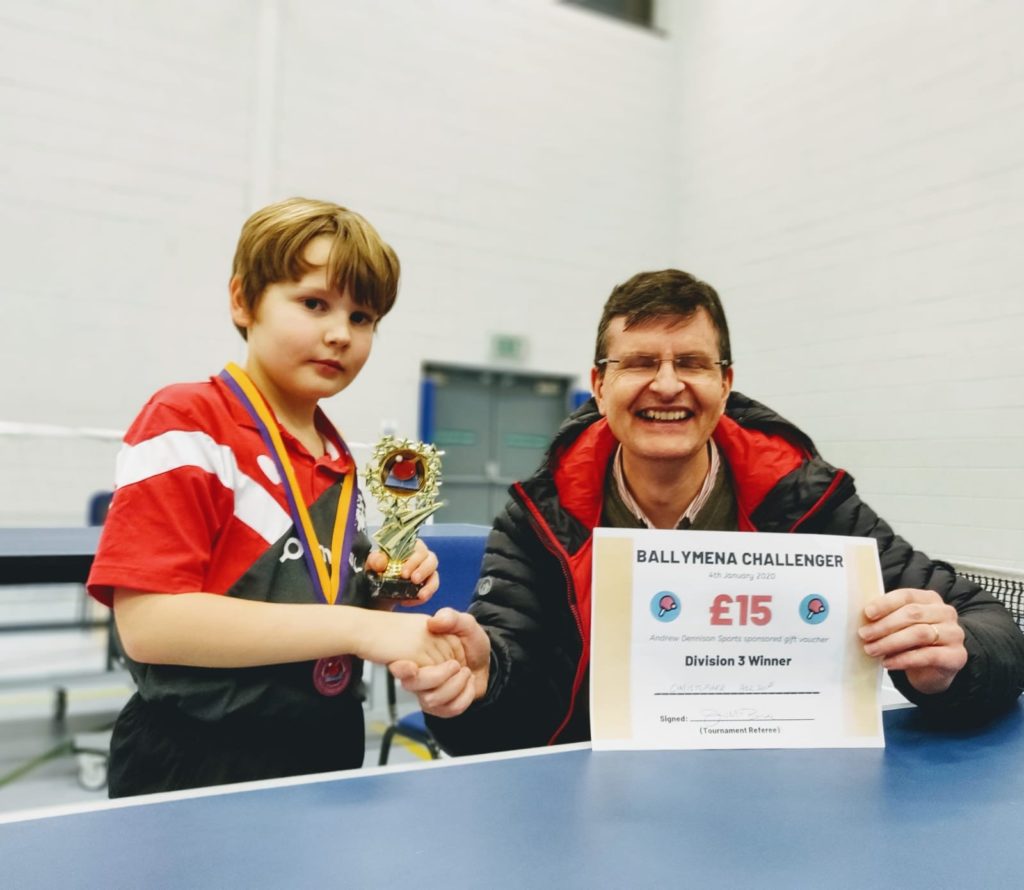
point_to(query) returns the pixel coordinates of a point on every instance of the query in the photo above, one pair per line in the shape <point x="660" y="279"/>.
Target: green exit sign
<point x="508" y="348"/>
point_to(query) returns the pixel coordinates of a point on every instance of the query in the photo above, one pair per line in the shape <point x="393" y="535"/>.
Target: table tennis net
<point x="1007" y="585"/>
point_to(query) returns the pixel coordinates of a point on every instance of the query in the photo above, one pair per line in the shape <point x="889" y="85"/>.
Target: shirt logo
<point x="265" y="463"/>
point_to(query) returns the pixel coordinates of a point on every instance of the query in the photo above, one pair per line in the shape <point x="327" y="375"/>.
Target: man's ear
<point x="726" y="384"/>
<point x="597" y="387"/>
<point x="240" y="313"/>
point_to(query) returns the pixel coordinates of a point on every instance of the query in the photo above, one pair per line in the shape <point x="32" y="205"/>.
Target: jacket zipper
<point x="546" y="537"/>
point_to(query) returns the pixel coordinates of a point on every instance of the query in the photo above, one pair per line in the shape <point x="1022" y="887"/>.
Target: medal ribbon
<point x="326" y="584"/>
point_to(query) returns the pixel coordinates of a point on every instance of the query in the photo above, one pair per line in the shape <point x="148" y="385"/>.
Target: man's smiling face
<point x="663" y="414"/>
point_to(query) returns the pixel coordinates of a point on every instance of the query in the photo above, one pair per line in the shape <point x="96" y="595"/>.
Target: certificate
<point x="732" y="640"/>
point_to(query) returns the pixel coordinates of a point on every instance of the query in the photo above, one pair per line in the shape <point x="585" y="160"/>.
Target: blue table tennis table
<point x="935" y="808"/>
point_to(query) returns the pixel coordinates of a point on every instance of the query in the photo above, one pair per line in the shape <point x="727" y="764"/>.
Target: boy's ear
<point x="240" y="313"/>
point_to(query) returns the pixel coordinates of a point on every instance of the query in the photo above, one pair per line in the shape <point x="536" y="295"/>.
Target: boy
<point x="236" y="527"/>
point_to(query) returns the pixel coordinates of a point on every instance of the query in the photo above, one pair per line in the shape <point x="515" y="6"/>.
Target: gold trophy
<point x="403" y="477"/>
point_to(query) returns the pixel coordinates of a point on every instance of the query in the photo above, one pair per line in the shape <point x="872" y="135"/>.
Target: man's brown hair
<point x="667" y="293"/>
<point x="273" y="240"/>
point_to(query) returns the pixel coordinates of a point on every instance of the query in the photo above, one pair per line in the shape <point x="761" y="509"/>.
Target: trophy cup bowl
<point x="404" y="478"/>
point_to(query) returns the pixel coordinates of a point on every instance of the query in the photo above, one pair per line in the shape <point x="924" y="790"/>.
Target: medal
<point x="331" y="676"/>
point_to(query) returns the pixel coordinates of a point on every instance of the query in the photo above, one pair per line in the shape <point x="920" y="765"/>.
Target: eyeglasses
<point x="642" y="365"/>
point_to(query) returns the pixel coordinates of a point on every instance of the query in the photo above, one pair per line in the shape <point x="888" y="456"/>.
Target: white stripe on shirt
<point x="254" y="505"/>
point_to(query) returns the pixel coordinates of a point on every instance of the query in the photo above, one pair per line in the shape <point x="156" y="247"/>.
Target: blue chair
<point x="460" y="550"/>
<point x="99" y="506"/>
<point x="92" y="749"/>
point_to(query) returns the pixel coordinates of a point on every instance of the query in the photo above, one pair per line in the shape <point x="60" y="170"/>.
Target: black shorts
<point x="155" y="747"/>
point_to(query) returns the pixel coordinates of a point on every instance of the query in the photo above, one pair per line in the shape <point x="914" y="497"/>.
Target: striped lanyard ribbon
<point x="326" y="581"/>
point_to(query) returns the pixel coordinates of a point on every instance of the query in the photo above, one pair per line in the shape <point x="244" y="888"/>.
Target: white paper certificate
<point x="732" y="640"/>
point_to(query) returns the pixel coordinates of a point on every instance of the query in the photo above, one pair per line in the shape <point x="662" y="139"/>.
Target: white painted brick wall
<point x="852" y="182"/>
<point x="123" y="171"/>
<point x="513" y="152"/>
<point x="848" y="175"/>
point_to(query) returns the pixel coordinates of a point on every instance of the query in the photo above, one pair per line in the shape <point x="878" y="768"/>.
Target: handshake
<point x="443" y="659"/>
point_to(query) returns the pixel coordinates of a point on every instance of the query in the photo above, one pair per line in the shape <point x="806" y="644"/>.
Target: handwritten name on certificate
<point x="732" y="640"/>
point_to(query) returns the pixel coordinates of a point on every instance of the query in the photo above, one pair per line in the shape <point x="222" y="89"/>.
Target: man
<point x="665" y="443"/>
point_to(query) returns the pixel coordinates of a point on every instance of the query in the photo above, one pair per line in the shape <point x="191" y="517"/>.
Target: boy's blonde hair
<point x="273" y="240"/>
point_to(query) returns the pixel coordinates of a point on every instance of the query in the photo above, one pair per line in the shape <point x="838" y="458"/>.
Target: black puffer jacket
<point x="533" y="597"/>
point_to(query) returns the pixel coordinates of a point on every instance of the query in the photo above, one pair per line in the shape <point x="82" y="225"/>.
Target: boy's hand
<point x="387" y="637"/>
<point x="917" y="632"/>
<point x="420" y="568"/>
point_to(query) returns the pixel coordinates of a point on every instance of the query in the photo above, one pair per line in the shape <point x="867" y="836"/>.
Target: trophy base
<point x="382" y="588"/>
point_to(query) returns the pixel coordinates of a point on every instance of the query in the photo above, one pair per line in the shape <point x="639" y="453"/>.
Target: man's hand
<point x="917" y="632"/>
<point x="420" y="568"/>
<point x="446" y="690"/>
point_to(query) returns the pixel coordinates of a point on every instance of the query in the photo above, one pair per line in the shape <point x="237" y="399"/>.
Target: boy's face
<point x="306" y="340"/>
